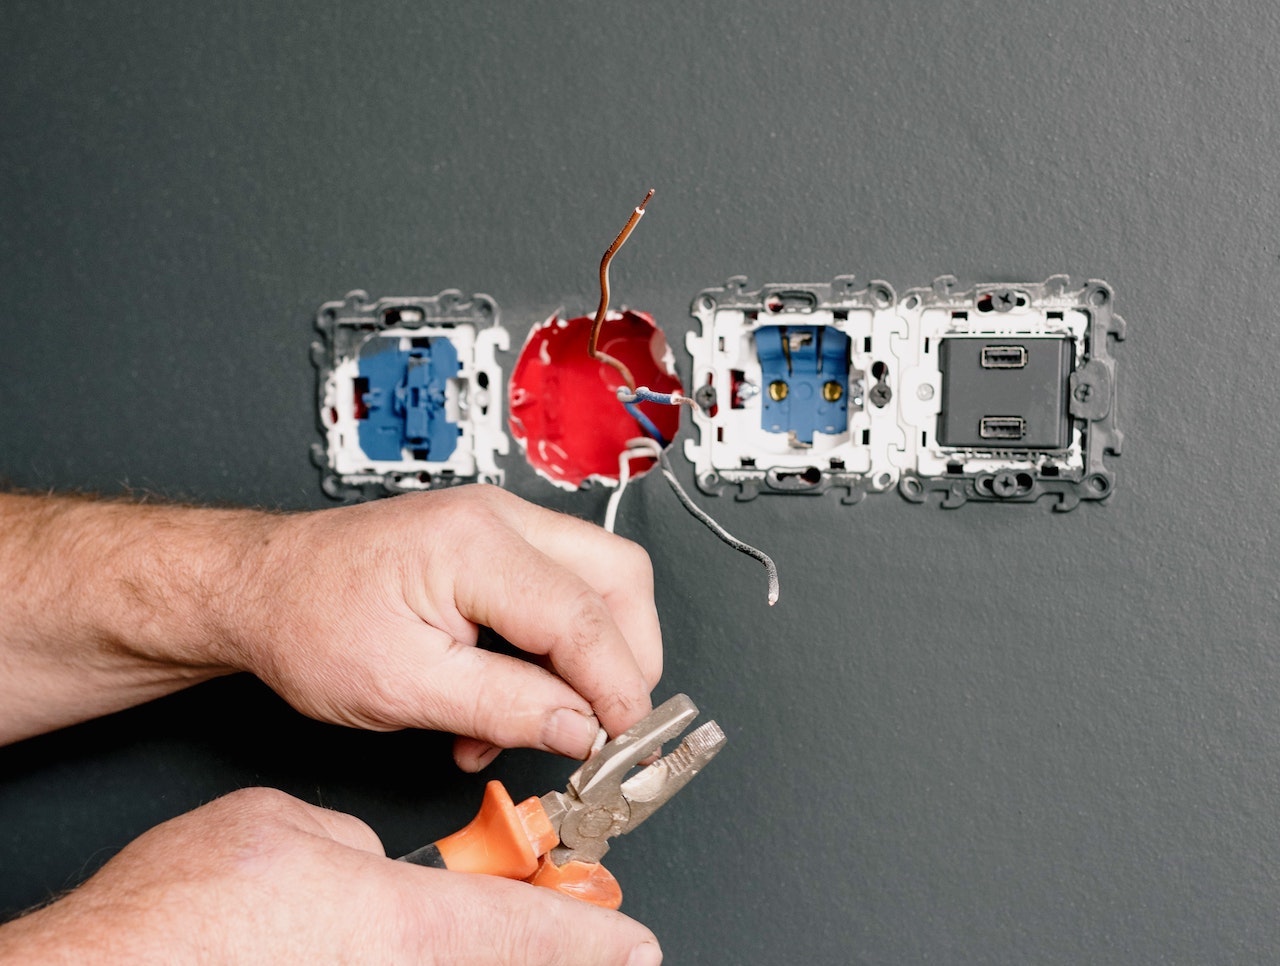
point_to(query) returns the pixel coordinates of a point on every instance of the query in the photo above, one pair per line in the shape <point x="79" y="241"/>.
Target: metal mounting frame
<point x="732" y="451"/>
<point x="471" y="324"/>
<point x="1054" y="308"/>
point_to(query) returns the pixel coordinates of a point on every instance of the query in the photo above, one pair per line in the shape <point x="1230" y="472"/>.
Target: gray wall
<point x="989" y="735"/>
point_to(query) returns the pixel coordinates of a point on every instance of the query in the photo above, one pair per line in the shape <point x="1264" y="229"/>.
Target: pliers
<point x="558" y="840"/>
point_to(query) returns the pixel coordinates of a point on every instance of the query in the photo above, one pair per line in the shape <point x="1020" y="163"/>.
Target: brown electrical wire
<point x="603" y="307"/>
<point x="632" y="395"/>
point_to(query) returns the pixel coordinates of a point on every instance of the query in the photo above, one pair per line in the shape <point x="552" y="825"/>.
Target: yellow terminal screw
<point x="777" y="390"/>
<point x="831" y="391"/>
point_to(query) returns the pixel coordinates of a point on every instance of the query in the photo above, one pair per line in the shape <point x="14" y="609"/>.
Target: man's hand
<point x="259" y="876"/>
<point x="363" y="615"/>
<point x="369" y="615"/>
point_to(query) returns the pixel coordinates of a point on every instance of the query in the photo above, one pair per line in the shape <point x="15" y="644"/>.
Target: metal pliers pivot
<point x="558" y="840"/>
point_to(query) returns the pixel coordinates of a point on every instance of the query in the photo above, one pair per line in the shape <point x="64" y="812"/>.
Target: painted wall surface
<point x="989" y="735"/>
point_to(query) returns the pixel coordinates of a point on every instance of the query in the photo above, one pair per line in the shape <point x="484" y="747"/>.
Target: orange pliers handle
<point x="513" y="841"/>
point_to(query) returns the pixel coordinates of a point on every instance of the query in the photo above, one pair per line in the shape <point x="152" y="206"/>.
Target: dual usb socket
<point x="1005" y="394"/>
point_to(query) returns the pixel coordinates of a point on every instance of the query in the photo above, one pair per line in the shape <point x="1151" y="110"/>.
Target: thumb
<point x="500" y="921"/>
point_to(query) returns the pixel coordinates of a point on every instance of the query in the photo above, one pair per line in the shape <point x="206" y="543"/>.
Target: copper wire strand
<point x="603" y="307"/>
<point x="671" y="399"/>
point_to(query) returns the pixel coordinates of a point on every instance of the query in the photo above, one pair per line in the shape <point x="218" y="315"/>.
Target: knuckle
<point x="257" y="799"/>
<point x="241" y="825"/>
<point x="352" y="829"/>
<point x="618" y="706"/>
<point x="590" y="616"/>
<point x="377" y="703"/>
<point x="484" y="496"/>
<point x="589" y="620"/>
<point x="475" y="512"/>
<point x="489" y="491"/>
<point x="637" y="562"/>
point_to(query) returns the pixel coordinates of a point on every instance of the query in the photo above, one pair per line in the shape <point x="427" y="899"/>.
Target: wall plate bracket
<point x="794" y="386"/>
<point x="1008" y="391"/>
<point x="409" y="393"/>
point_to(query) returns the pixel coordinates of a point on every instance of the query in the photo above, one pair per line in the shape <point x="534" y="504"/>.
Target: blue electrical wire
<point x="646" y="423"/>
<point x="643" y="394"/>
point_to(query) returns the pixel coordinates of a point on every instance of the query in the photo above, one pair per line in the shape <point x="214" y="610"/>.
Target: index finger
<point x="544" y="608"/>
<point x="618" y="569"/>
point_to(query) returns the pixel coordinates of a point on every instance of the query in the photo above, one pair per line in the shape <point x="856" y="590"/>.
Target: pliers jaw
<point x="604" y="799"/>
<point x="557" y="841"/>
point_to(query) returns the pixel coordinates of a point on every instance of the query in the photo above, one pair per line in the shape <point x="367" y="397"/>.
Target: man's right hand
<point x="259" y="876"/>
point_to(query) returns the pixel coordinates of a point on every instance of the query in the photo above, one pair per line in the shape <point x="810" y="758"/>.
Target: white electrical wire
<point x="636" y="448"/>
<point x="643" y="446"/>
<point x="770" y="568"/>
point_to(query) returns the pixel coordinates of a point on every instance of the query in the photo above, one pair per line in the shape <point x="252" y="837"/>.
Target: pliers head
<point x="605" y="799"/>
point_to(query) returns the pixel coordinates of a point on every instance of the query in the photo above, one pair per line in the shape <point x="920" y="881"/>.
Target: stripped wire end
<point x="603" y="308"/>
<point x="645" y="394"/>
<point x="770" y="568"/>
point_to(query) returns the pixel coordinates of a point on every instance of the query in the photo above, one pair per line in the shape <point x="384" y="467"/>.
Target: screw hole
<point x="706" y="303"/>
<point x="1098" y="297"/>
<point x="912" y="486"/>
<point x="883" y="480"/>
<point x="1098" y="484"/>
<point x="912" y="301"/>
<point x="881" y="296"/>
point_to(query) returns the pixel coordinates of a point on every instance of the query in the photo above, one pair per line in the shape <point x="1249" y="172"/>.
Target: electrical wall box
<point x="1007" y="392"/>
<point x="793" y="388"/>
<point x="996" y="393"/>
<point x="409" y="393"/>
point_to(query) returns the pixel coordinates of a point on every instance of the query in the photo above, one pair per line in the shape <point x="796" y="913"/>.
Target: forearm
<point x="365" y="615"/>
<point x="105" y="604"/>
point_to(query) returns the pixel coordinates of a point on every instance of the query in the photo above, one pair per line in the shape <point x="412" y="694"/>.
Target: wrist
<point x="105" y="604"/>
<point x="68" y="931"/>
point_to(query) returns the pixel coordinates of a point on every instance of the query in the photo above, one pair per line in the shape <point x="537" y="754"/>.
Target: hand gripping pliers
<point x="558" y="840"/>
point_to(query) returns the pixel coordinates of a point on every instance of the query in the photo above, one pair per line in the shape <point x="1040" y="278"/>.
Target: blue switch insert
<point x="401" y="399"/>
<point x="804" y="373"/>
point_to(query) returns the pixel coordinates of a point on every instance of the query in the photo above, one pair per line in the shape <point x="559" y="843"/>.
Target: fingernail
<point x="570" y="732"/>
<point x="646" y="954"/>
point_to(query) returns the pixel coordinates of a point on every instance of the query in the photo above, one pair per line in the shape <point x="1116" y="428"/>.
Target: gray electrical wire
<point x="770" y="567"/>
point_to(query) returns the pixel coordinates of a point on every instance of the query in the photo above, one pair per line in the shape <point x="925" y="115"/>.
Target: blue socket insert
<point x="804" y="372"/>
<point x="401" y="399"/>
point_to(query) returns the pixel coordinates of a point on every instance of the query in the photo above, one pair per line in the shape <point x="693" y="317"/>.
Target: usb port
<point x="1004" y="356"/>
<point x="1002" y="427"/>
